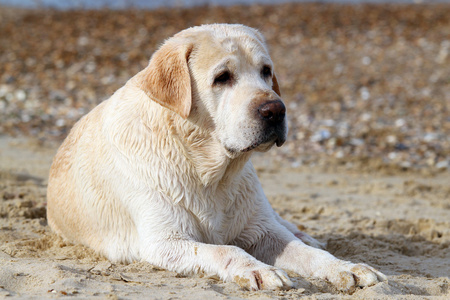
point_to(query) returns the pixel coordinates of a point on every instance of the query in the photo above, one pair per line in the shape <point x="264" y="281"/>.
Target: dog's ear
<point x="166" y="79"/>
<point x="275" y="86"/>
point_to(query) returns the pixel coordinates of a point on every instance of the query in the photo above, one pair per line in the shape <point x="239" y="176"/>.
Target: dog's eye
<point x="224" y="77"/>
<point x="266" y="71"/>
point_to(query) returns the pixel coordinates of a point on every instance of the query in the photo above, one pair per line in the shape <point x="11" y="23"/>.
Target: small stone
<point x="356" y="142"/>
<point x="405" y="164"/>
<point x="20" y="95"/>
<point x="401" y="147"/>
<point x="442" y="165"/>
<point x="366" y="60"/>
<point x="392" y="155"/>
<point x="320" y="135"/>
<point x="366" y="117"/>
<point x="431" y="136"/>
<point x="391" y="139"/>
<point x="60" y="122"/>
<point x="329" y="123"/>
<point x="365" y="94"/>
<point x="400" y="122"/>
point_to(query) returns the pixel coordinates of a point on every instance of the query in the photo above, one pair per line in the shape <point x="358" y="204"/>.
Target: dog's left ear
<point x="275" y="86"/>
<point x="166" y="79"/>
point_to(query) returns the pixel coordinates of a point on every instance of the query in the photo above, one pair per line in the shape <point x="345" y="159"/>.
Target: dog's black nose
<point x="272" y="111"/>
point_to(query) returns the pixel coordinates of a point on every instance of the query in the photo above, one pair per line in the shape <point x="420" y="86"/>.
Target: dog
<point x="160" y="172"/>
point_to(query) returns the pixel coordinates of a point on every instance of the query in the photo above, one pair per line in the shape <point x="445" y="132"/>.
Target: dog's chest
<point x="222" y="215"/>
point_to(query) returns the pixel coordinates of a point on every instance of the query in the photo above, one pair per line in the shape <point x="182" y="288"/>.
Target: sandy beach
<point x="366" y="168"/>
<point x="396" y="223"/>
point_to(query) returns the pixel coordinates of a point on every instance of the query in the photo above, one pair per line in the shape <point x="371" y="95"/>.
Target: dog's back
<point x="82" y="204"/>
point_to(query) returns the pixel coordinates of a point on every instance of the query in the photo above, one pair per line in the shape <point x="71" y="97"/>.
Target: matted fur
<point x="160" y="172"/>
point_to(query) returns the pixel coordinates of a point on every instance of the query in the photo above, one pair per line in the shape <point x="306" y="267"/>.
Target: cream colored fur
<point x="160" y="172"/>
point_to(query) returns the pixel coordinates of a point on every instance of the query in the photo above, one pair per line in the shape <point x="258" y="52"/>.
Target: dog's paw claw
<point x="347" y="276"/>
<point x="264" y="279"/>
<point x="366" y="275"/>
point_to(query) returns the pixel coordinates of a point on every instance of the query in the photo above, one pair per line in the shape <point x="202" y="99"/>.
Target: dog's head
<point x="220" y="77"/>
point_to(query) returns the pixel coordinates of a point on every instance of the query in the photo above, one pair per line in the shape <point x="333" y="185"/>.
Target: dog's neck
<point x="184" y="139"/>
<point x="208" y="157"/>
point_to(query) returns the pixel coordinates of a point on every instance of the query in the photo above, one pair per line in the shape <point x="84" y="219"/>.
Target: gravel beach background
<point x="362" y="82"/>
<point x="365" y="168"/>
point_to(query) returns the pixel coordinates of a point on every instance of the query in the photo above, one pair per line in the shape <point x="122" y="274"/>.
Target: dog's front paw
<point x="264" y="278"/>
<point x="347" y="276"/>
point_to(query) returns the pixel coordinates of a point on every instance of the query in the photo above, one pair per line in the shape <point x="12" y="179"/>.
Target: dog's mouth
<point x="250" y="148"/>
<point x="234" y="152"/>
<point x="266" y="144"/>
<point x="262" y="144"/>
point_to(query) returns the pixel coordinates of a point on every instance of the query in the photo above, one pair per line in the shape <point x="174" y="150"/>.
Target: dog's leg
<point x="282" y="249"/>
<point x="304" y="237"/>
<point x="230" y="263"/>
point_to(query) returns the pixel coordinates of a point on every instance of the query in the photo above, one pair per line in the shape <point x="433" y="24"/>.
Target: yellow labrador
<point x="160" y="172"/>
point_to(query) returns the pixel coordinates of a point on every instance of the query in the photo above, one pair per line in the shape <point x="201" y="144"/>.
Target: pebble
<point x="357" y="142"/>
<point x="60" y="122"/>
<point x="365" y="94"/>
<point x="366" y="60"/>
<point x="400" y="122"/>
<point x="320" y="135"/>
<point x="443" y="165"/>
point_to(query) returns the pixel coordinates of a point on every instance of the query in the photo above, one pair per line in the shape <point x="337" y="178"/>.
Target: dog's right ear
<point x="166" y="79"/>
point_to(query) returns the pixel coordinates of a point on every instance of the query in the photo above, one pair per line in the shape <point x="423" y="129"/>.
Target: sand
<point x="396" y="223"/>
